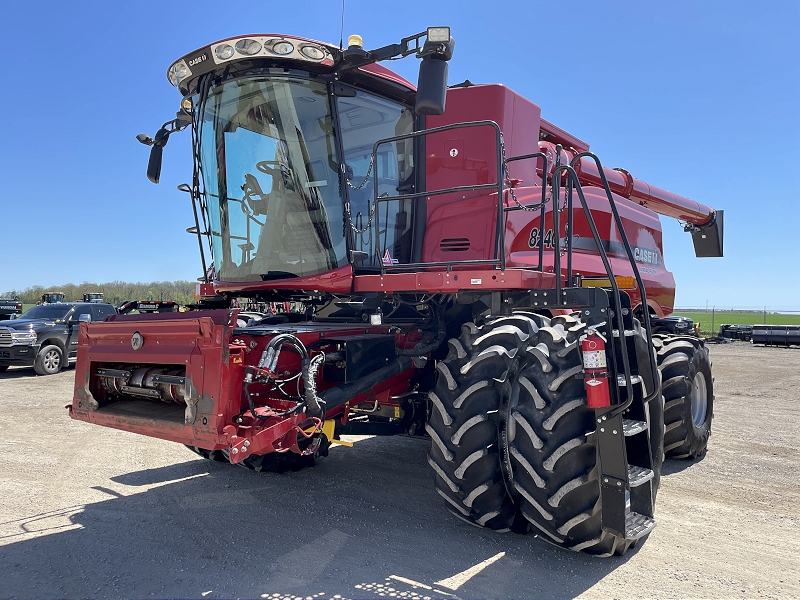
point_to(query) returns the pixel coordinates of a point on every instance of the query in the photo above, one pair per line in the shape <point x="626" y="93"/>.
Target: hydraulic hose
<point x="336" y="397"/>
<point x="424" y="349"/>
<point x="316" y="406"/>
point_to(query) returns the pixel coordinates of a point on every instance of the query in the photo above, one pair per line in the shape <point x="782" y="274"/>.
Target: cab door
<point x="74" y="326"/>
<point x="379" y="233"/>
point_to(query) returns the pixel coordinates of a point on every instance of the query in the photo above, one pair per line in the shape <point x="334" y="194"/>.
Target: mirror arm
<point x="353" y="58"/>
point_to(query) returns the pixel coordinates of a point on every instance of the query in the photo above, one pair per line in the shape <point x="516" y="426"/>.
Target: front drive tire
<point x="512" y="438"/>
<point x="552" y="445"/>
<point x="49" y="361"/>
<point x="464" y="424"/>
<point x="688" y="388"/>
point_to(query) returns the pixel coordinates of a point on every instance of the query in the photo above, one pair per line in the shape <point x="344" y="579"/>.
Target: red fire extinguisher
<point x="595" y="368"/>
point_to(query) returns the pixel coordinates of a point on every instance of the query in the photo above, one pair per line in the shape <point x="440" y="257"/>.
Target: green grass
<point x="736" y="318"/>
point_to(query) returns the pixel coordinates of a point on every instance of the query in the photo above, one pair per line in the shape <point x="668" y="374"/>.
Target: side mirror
<point x="431" y="86"/>
<point x="156" y="151"/>
<point x="432" y="82"/>
<point x="154" y="164"/>
<point x="85" y="318"/>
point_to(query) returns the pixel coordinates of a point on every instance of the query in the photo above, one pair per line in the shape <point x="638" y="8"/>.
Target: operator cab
<point x="283" y="135"/>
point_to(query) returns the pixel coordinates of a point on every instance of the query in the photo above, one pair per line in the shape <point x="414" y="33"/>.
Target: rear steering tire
<point x="688" y="387"/>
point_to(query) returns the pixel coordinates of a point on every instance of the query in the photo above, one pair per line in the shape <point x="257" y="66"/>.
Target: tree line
<point x="113" y="292"/>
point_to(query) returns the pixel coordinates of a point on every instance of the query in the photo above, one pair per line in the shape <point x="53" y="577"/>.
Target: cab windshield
<point x="53" y="312"/>
<point x="270" y="174"/>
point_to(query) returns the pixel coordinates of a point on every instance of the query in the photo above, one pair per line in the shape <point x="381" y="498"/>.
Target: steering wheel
<point x="264" y="166"/>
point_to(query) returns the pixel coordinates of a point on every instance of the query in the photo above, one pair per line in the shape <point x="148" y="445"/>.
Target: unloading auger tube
<point x="703" y="222"/>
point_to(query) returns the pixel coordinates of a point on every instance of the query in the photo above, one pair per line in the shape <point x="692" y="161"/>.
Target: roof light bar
<point x="250" y="47"/>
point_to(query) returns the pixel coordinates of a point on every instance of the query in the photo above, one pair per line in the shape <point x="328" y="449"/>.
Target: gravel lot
<point x="92" y="512"/>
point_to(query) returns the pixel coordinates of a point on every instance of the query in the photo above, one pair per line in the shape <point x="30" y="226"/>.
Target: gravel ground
<point x="89" y="512"/>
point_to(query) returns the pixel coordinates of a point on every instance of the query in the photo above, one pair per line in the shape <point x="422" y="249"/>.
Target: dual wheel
<point x="513" y="444"/>
<point x="688" y="389"/>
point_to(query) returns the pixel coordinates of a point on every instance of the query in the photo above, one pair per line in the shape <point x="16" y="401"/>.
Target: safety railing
<point x="570" y="185"/>
<point x="499" y="253"/>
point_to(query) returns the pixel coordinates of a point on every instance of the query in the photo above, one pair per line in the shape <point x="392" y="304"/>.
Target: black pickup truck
<point x="673" y="324"/>
<point x="46" y="337"/>
<point x="10" y="308"/>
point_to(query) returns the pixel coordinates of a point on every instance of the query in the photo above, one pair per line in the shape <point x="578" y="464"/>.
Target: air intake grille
<point x="5" y="337"/>
<point x="454" y="244"/>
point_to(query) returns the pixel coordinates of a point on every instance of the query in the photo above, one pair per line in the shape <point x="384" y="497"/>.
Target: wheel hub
<point x="51" y="360"/>
<point x="699" y="399"/>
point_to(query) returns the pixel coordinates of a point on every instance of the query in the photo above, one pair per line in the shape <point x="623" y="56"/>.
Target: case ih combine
<point x="471" y="274"/>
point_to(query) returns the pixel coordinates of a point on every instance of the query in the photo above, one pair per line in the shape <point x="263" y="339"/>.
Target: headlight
<point x="248" y="47"/>
<point x="177" y="72"/>
<point x="438" y="34"/>
<point x="312" y="52"/>
<point x="224" y="51"/>
<point x="282" y="48"/>
<point x="23" y="338"/>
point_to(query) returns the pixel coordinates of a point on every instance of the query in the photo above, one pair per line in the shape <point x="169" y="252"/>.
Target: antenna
<point x="341" y="31"/>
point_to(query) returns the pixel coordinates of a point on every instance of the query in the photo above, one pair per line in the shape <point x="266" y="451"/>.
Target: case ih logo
<point x="197" y="60"/>
<point x="643" y="255"/>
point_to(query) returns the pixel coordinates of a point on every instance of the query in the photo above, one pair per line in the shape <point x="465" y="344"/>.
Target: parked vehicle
<point x="52" y="297"/>
<point x="472" y="274"/>
<point x="10" y="308"/>
<point x="673" y="324"/>
<point x="46" y="336"/>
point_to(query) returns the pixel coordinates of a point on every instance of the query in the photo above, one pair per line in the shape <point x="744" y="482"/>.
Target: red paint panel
<point x="459" y="279"/>
<point x="338" y="281"/>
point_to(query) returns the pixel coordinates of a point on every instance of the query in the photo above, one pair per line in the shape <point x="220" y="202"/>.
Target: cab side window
<point x="364" y="119"/>
<point x="99" y="313"/>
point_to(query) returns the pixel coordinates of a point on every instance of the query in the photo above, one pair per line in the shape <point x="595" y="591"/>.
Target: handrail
<point x="631" y="259"/>
<point x="571" y="183"/>
<point x="499" y="250"/>
<point x="607" y="264"/>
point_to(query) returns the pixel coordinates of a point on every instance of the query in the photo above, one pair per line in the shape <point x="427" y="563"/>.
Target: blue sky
<point x="702" y="99"/>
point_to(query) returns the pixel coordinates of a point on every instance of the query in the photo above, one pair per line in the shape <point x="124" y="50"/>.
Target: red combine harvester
<point x="474" y="275"/>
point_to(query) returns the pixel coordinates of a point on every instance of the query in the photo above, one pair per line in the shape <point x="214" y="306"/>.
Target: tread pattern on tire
<point x="463" y="424"/>
<point x="552" y="448"/>
<point x="679" y="359"/>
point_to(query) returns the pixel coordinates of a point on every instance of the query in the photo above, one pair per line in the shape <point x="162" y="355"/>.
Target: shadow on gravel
<point x="676" y="465"/>
<point x="18" y="373"/>
<point x="365" y="522"/>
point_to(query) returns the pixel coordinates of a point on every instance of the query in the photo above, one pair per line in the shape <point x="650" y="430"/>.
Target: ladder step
<point x="638" y="475"/>
<point x="637" y="525"/>
<point x="634" y="378"/>
<point x="631" y="427"/>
